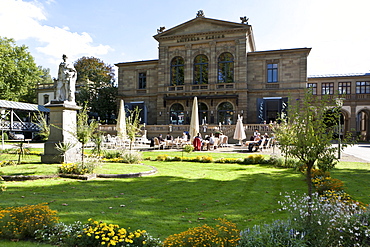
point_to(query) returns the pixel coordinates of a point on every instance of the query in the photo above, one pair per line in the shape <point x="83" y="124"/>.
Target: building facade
<point x="217" y="62"/>
<point x="354" y="91"/>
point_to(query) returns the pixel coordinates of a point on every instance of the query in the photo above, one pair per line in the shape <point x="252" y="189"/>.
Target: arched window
<point x="177" y="115"/>
<point x="226" y="68"/>
<point x="203" y="113"/>
<point x="225" y="113"/>
<point x="177" y="71"/>
<point x="200" y="69"/>
<point x="362" y="121"/>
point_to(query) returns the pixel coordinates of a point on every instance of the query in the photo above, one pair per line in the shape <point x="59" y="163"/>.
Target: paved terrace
<point x="355" y="153"/>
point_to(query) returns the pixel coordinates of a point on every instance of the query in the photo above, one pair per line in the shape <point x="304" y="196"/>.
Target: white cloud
<point x="22" y="21"/>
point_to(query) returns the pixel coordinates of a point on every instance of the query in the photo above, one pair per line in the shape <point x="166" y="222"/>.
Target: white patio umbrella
<point x="239" y="133"/>
<point x="194" y="122"/>
<point x="121" y="122"/>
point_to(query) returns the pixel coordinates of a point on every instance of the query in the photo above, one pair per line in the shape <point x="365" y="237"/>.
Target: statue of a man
<point x="66" y="84"/>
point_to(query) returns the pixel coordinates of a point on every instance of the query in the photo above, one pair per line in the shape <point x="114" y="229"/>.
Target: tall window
<point x="203" y="113"/>
<point x="177" y="115"/>
<point x="272" y="72"/>
<point x="200" y="70"/>
<point x="142" y="80"/>
<point x="226" y="68"/>
<point x="312" y="87"/>
<point x="362" y="87"/>
<point x="225" y="113"/>
<point x="362" y="120"/>
<point x="344" y="87"/>
<point x="327" y="88"/>
<point x="177" y="71"/>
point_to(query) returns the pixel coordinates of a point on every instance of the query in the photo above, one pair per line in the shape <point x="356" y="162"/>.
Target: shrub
<point x="60" y="234"/>
<point x="2" y="187"/>
<point x="322" y="181"/>
<point x="323" y="184"/>
<point x="254" y="159"/>
<point x="278" y="161"/>
<point x="76" y="168"/>
<point x="162" y="157"/>
<point x="5" y="136"/>
<point x="111" y="154"/>
<point x="22" y="222"/>
<point x="188" y="148"/>
<point x="7" y="163"/>
<point x="228" y="160"/>
<point x="327" y="221"/>
<point x="132" y="157"/>
<point x="225" y="234"/>
<point x="279" y="233"/>
<point x="103" y="234"/>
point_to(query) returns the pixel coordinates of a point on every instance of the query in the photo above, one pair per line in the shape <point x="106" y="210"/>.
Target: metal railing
<point x="19" y="126"/>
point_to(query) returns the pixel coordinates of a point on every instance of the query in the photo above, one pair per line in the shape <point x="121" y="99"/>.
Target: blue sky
<point x="116" y="31"/>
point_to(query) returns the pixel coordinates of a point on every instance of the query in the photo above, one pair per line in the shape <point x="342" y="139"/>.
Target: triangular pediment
<point x="201" y="25"/>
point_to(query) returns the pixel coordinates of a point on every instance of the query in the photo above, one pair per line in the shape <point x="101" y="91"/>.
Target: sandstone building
<point x="217" y="61"/>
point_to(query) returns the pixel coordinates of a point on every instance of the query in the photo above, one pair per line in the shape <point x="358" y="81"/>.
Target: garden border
<point x="82" y="177"/>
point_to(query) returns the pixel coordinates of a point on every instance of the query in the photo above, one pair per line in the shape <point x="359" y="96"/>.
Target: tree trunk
<point x="309" y="186"/>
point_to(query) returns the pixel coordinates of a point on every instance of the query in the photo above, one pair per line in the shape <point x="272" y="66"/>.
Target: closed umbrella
<point x="121" y="122"/>
<point x="239" y="133"/>
<point x="194" y="123"/>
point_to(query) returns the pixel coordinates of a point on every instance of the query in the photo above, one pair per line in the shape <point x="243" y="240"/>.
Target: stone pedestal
<point x="63" y="117"/>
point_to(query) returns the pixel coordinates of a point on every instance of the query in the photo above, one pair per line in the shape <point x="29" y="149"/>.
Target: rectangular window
<point x="327" y="88"/>
<point x="142" y="80"/>
<point x="313" y="87"/>
<point x="344" y="87"/>
<point x="46" y="99"/>
<point x="362" y="87"/>
<point x="272" y="72"/>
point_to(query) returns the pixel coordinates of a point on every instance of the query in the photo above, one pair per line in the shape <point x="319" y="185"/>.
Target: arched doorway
<point x="225" y="113"/>
<point x="362" y="128"/>
<point x="203" y="113"/>
<point x="177" y="114"/>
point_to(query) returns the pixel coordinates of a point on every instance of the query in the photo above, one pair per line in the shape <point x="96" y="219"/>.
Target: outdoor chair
<point x="268" y="144"/>
<point x="224" y="142"/>
<point x="159" y="144"/>
<point x="262" y="144"/>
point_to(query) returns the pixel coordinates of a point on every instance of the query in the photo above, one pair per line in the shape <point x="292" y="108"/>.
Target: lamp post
<point x="339" y="103"/>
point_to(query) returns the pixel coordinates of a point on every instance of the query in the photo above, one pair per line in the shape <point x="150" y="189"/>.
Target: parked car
<point x="16" y="135"/>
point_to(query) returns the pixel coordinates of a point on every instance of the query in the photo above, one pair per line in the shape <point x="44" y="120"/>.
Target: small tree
<point x="44" y="131"/>
<point x="84" y="130"/>
<point x="133" y="125"/>
<point x="305" y="135"/>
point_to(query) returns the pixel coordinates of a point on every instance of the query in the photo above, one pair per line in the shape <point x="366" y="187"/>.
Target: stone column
<point x="63" y="117"/>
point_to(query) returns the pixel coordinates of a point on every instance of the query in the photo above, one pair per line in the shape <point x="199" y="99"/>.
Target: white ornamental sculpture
<point x="66" y="83"/>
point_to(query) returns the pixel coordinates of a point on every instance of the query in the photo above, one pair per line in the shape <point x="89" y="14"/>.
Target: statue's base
<point x="63" y="117"/>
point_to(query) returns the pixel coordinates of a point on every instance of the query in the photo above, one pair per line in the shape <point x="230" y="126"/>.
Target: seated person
<point x="169" y="137"/>
<point x="257" y="142"/>
<point x="160" y="138"/>
<point x="184" y="136"/>
<point x="211" y="142"/>
<point x="197" y="142"/>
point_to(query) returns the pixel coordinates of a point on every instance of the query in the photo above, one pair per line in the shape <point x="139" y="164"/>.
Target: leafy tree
<point x="45" y="77"/>
<point x="96" y="86"/>
<point x="18" y="72"/>
<point x="305" y="134"/>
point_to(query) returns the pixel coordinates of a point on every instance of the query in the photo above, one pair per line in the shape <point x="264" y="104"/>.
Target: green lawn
<point x="181" y="195"/>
